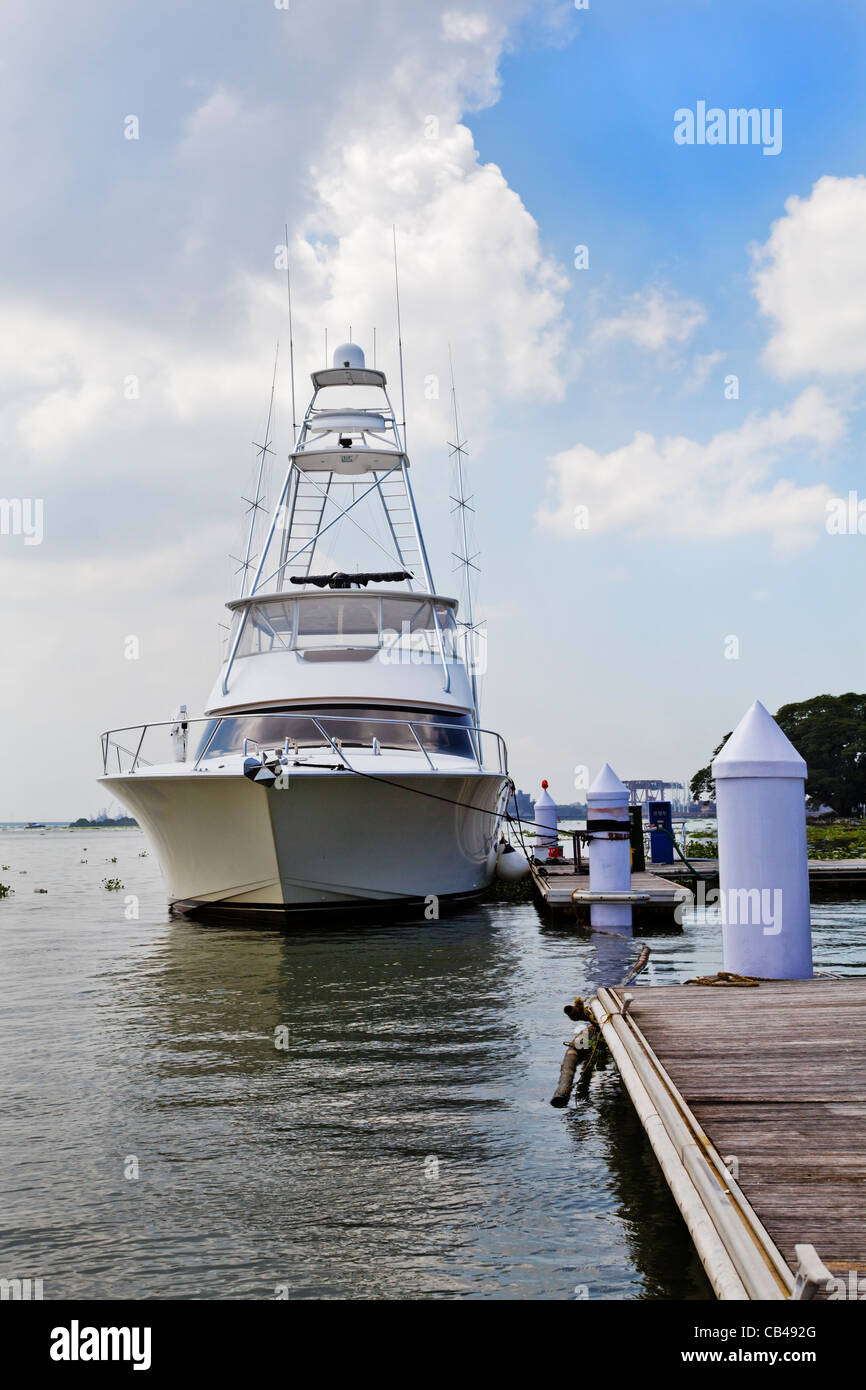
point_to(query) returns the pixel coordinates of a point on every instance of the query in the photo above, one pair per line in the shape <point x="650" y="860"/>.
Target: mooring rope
<point x="724" y="977"/>
<point x="434" y="796"/>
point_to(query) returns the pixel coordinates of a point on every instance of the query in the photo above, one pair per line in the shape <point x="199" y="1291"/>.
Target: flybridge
<point x="344" y="460"/>
<point x="335" y="447"/>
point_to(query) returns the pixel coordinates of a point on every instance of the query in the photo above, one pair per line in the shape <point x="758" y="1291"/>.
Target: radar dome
<point x="348" y="355"/>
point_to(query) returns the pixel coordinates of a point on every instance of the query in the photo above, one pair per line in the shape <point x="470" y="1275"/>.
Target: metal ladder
<point x="304" y="520"/>
<point x="398" y="512"/>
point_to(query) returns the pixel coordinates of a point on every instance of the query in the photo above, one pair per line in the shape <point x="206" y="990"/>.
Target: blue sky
<point x="584" y="131"/>
<point x="604" y="386"/>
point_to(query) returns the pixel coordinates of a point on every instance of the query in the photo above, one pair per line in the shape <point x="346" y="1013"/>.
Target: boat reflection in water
<point x="373" y="1120"/>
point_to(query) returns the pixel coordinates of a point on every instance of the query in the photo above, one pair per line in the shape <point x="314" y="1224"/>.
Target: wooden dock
<point x="561" y="891"/>
<point x="754" y="1101"/>
<point x="824" y="874"/>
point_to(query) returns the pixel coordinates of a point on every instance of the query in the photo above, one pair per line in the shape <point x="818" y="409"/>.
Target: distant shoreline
<point x="122" y="823"/>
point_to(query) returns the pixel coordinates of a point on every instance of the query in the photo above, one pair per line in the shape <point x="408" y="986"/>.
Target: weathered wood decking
<point x="659" y="898"/>
<point x="774" y="1077"/>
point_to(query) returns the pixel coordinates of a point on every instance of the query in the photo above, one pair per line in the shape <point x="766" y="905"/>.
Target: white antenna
<point x="399" y="337"/>
<point x="255" y="503"/>
<point x="374" y="348"/>
<point x="465" y="561"/>
<point x="291" y="339"/>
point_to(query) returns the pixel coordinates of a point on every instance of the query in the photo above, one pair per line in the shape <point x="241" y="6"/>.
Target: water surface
<point x="402" y="1144"/>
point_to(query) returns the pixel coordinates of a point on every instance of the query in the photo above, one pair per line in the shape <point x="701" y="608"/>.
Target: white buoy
<point x="546" y="836"/>
<point x="763" y="858"/>
<point x="511" y="864"/>
<point x="609" y="849"/>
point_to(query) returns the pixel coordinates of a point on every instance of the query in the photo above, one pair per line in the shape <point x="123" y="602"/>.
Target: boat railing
<point x="194" y="742"/>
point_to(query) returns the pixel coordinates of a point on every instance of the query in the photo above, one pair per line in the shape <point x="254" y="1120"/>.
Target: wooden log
<point x="638" y="965"/>
<point x="562" y="1094"/>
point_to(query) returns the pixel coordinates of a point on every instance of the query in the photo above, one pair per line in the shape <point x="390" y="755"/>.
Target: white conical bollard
<point x="763" y="859"/>
<point x="609" y="849"/>
<point x="545" y="816"/>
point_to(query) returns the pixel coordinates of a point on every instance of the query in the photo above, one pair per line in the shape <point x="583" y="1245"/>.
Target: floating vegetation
<point x="702" y="845"/>
<point x="840" y="841"/>
<point x="500" y="891"/>
<point x="5" y="890"/>
<point x="844" y="840"/>
<point x="113" y="885"/>
<point x="142" y="854"/>
<point x="112" y="860"/>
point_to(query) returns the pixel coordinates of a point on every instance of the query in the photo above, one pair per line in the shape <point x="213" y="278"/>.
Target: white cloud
<point x="702" y="365"/>
<point x="459" y="26"/>
<point x="166" y="273"/>
<point x="63" y="382"/>
<point x="810" y="280"/>
<point x="472" y="271"/>
<point x="677" y="486"/>
<point x="653" y="318"/>
<point x="472" y="266"/>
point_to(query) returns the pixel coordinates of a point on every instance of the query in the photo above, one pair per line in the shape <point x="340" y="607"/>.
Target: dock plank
<point x="776" y="1076"/>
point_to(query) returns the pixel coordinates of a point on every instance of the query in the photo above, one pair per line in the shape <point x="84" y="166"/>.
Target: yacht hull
<point x="329" y="843"/>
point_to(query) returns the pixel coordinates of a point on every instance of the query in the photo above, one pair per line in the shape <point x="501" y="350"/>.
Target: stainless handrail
<point x="217" y="728"/>
<point x="138" y="750"/>
<point x="119" y="748"/>
<point x="473" y="732"/>
<point x="421" y="746"/>
<point x="339" y="752"/>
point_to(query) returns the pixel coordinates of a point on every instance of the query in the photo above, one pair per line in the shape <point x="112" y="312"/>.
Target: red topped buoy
<point x="544" y="786"/>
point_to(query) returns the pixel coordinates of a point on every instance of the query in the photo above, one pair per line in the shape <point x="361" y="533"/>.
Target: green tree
<point x="829" y="731"/>
<point x="702" y="786"/>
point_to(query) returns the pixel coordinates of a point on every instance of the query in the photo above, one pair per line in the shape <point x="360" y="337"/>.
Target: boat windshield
<point x="347" y="620"/>
<point x="355" y="726"/>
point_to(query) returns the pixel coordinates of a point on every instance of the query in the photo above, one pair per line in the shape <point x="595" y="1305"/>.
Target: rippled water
<point x="402" y="1145"/>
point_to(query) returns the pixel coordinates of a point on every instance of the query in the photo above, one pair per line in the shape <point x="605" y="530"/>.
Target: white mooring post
<point x="609" y="849"/>
<point x="763" y="859"/>
<point x="545" y="816"/>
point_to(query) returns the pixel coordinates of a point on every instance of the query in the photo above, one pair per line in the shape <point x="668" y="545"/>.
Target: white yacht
<point x="339" y="764"/>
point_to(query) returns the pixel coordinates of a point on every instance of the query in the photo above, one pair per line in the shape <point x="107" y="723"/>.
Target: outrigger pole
<point x="399" y="337"/>
<point x="256" y="501"/>
<point x="464" y="560"/>
<point x="291" y="339"/>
